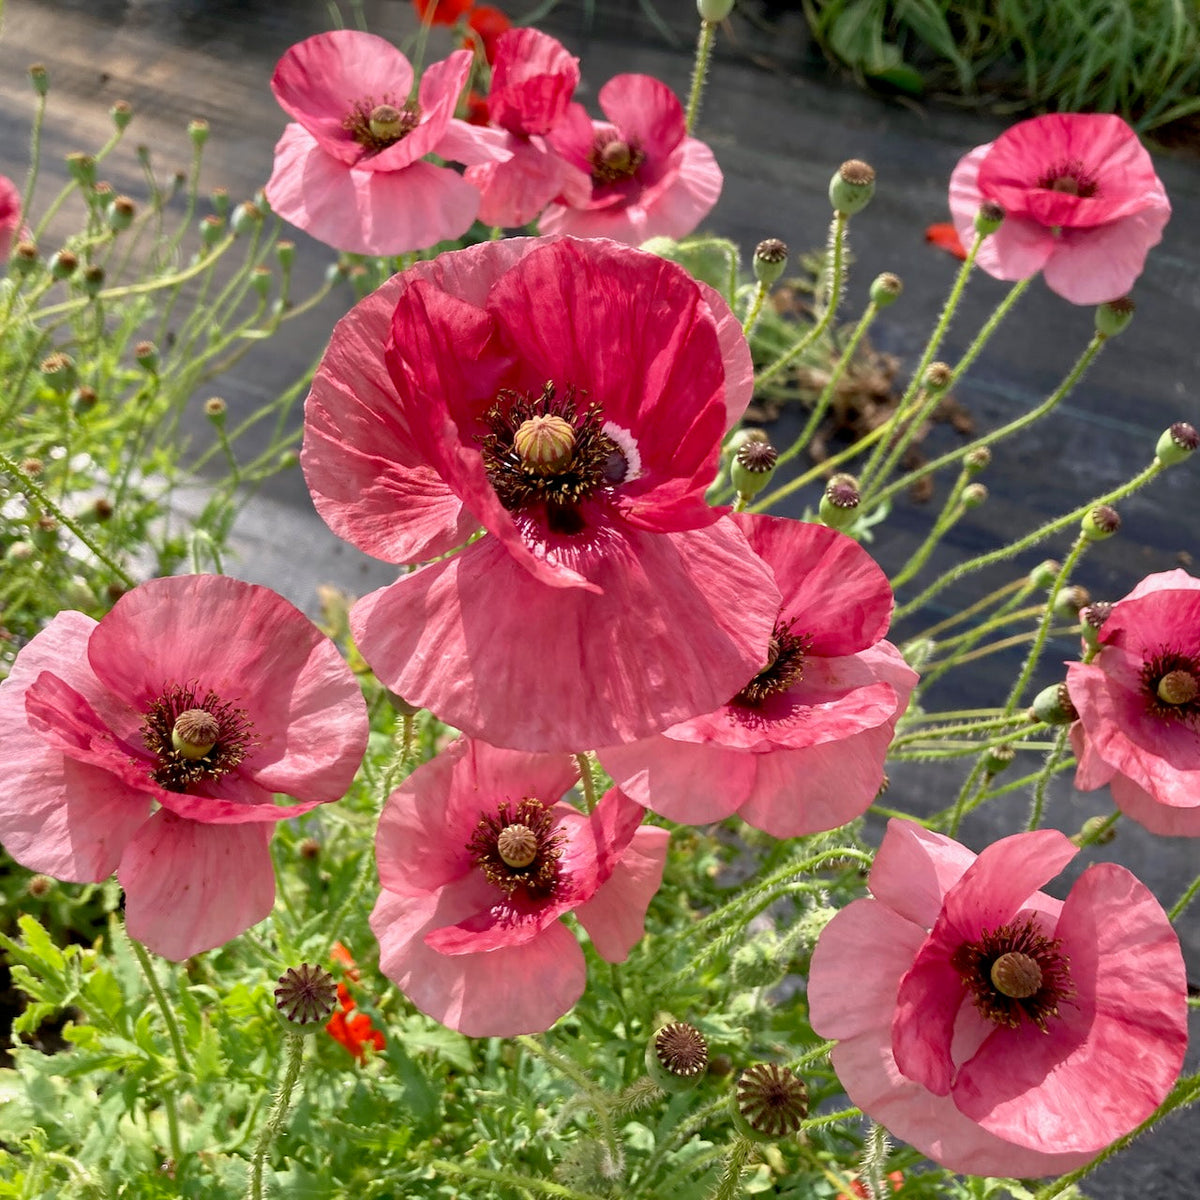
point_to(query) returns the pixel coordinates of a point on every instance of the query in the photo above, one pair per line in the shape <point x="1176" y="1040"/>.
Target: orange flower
<point x="445" y="12"/>
<point x="357" y="1032"/>
<point x="487" y="24"/>
<point x="858" y="1190"/>
<point x="945" y="237"/>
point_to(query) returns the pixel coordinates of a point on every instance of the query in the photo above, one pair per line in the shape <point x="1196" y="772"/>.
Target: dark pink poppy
<point x="10" y="215"/>
<point x="570" y="398"/>
<point x="648" y="178"/>
<point x="998" y="1030"/>
<point x="153" y="742"/>
<point x="1083" y="204"/>
<point x="1139" y="706"/>
<point x="479" y="858"/>
<point x="800" y="747"/>
<point x="350" y="169"/>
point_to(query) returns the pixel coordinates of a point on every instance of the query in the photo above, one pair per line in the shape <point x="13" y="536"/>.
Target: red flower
<point x="444" y="12"/>
<point x="487" y="24"/>
<point x="945" y="237"/>
<point x="10" y="215"/>
<point x="858" y="1190"/>
<point x="477" y="110"/>
<point x="357" y="1033"/>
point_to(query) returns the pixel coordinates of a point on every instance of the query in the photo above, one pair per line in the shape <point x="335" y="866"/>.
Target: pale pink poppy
<point x="648" y="178"/>
<point x="1139" y="706"/>
<point x="152" y="743"/>
<point x="800" y="747"/>
<point x="350" y="169"/>
<point x="570" y="398"/>
<point x="479" y="857"/>
<point x="533" y="79"/>
<point x="10" y="215"/>
<point x="998" y="1030"/>
<point x="1082" y="202"/>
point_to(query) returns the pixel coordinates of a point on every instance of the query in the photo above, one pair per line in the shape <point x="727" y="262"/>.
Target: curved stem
<point x="1044" y="776"/>
<point x="279" y="1112"/>
<point x="704" y="47"/>
<point x="756" y="305"/>
<point x="161" y="998"/>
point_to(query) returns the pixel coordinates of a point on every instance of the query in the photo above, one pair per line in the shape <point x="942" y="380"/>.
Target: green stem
<point x="1185" y="899"/>
<point x="952" y="512"/>
<point x="586" y="782"/>
<point x="837" y="271"/>
<point x="756" y="306"/>
<point x="1044" y="776"/>
<point x="32" y="489"/>
<point x="279" y="1112"/>
<point x="966" y="794"/>
<point x="516" y="1184"/>
<point x="161" y="998"/>
<point x="704" y="47"/>
<point x="730" y="1185"/>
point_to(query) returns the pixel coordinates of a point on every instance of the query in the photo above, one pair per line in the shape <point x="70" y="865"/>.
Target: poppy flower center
<point x="1172" y="685"/>
<point x="1015" y="973"/>
<point x="518" y="848"/>
<point x="1071" y="178"/>
<point x="375" y="127"/>
<point x="614" y="159"/>
<point x="194" y="740"/>
<point x="783" y="668"/>
<point x="546" y="457"/>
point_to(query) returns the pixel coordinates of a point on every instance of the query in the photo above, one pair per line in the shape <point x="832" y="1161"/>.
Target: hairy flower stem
<point x="730" y="1185"/>
<point x="586" y="782"/>
<point x="880" y="463"/>
<point x="35" y="152"/>
<point x="1188" y="896"/>
<point x="960" y="656"/>
<point x="1031" y="539"/>
<point x="160" y="997"/>
<point x="1044" y="776"/>
<point x="279" y="1112"/>
<point x="952" y="512"/>
<point x="756" y="305"/>
<point x="836" y="252"/>
<point x="704" y="45"/>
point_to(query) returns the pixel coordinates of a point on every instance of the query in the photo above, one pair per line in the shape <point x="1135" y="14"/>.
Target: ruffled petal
<point x="915" y="868"/>
<point x="647" y="113"/>
<point x="191" y="887"/>
<point x="615" y="916"/>
<point x="1092" y="266"/>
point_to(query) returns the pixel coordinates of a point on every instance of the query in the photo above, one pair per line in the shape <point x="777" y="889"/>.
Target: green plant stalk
<point x="35" y="152"/>
<point x="1094" y="835"/>
<point x="599" y="1100"/>
<point x="1044" y="776"/>
<point x="1188" y="896"/>
<point x="730" y="1185"/>
<point x="704" y="45"/>
<point x="586" y="783"/>
<point x="996" y="621"/>
<point x="1031" y="539"/>
<point x="967" y="730"/>
<point x="843" y="1114"/>
<point x="966" y="794"/>
<point x="32" y="489"/>
<point x="160" y="997"/>
<point x="1186" y="1091"/>
<point x="756" y="306"/>
<point x="952" y="512"/>
<point x="518" y="1183"/>
<point x="837" y="273"/>
<point x="71" y="186"/>
<point x="1052" y="401"/>
<point x="880" y="453"/>
<point x="279" y="1112"/>
<point x="958" y="659"/>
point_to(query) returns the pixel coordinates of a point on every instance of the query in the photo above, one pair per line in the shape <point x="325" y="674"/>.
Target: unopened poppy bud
<point x="1113" y="316"/>
<point x="677" y="1057"/>
<point x="1071" y="601"/>
<point x="752" y="467"/>
<point x="84" y="400"/>
<point x="1091" y="621"/>
<point x="545" y="444"/>
<point x="198" y="131"/>
<point x="998" y="759"/>
<point x="146" y="354"/>
<point x="25" y="257"/>
<point x="977" y="459"/>
<point x="62" y="264"/>
<point x="211" y="230"/>
<point x="989" y="218"/>
<point x="852" y="186"/>
<point x="121" y="115"/>
<point x="974" y="494"/>
<point x="93" y="280"/>
<point x="219" y="198"/>
<point x="306" y="997"/>
<point x="1053" y="705"/>
<point x="58" y="370"/>
<point x="285" y="252"/>
<point x="1177" y="443"/>
<point x="714" y="10"/>
<point x="886" y="289"/>
<point x="214" y="409"/>
<point x="39" y="78"/>
<point x="839" y="504"/>
<point x="33" y="466"/>
<point x="769" y="1103"/>
<point x="770" y="257"/>
<point x="40" y="886"/>
<point x="759" y="963"/>
<point x="288" y="459"/>
<point x="1100" y="522"/>
<point x="938" y="376"/>
<point x="1096" y="831"/>
<point x="120" y="213"/>
<point x="260" y="280"/>
<point x="918" y="652"/>
<point x="1045" y="573"/>
<point x="82" y="168"/>
<point x="246" y="217"/>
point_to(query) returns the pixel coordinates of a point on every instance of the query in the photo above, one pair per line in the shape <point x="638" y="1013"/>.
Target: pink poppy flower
<point x="478" y="858"/>
<point x="1139" y="706"/>
<point x="800" y="747"/>
<point x="10" y="215"/>
<point x="1083" y="204"/>
<point x="349" y="169"/>
<point x="648" y="178"/>
<point x="532" y="83"/>
<point x="152" y="743"/>
<point x="998" y="1030"/>
<point x="569" y="397"/>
